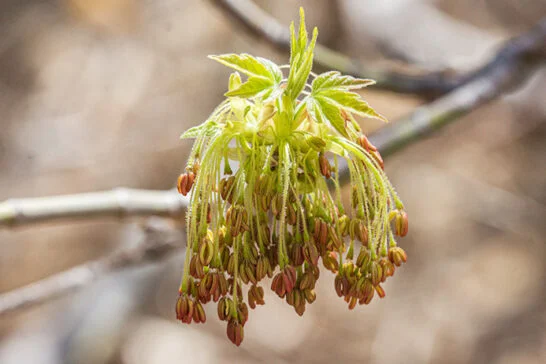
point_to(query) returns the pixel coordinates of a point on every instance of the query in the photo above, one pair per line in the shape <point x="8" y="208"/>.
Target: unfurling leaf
<point x="263" y="75"/>
<point x="335" y="80"/>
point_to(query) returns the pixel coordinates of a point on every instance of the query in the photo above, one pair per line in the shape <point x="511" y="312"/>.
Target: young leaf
<point x="274" y="70"/>
<point x="323" y="110"/>
<point x="331" y="89"/>
<point x="252" y="87"/>
<point x="206" y="128"/>
<point x="334" y="79"/>
<point x="297" y="83"/>
<point x="263" y="75"/>
<point x="302" y="36"/>
<point x="348" y="101"/>
<point x="301" y="58"/>
<point x="234" y="81"/>
<point x="244" y="63"/>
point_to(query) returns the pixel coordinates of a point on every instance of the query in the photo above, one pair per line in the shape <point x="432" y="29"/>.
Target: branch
<point x="512" y="66"/>
<point x="252" y="17"/>
<point x="119" y="202"/>
<point x="162" y="237"/>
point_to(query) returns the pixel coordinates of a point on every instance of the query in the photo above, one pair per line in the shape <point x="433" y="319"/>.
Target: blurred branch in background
<point x="119" y="202"/>
<point x="162" y="236"/>
<point x="509" y="69"/>
<point x="433" y="84"/>
<point x="513" y="64"/>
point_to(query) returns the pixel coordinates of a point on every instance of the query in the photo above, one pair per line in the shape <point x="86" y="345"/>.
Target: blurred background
<point x="94" y="94"/>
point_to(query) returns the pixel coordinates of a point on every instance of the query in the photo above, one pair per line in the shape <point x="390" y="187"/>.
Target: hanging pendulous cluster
<point x="266" y="200"/>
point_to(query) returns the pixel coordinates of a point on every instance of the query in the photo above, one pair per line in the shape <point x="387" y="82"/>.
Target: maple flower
<point x="265" y="193"/>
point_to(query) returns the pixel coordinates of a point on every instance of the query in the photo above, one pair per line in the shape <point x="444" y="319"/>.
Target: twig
<point x="431" y="84"/>
<point x="119" y="202"/>
<point x="162" y="237"/>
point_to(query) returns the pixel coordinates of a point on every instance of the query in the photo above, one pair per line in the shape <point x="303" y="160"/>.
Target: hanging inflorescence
<point x="266" y="198"/>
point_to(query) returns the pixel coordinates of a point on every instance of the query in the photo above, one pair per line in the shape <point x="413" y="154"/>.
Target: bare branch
<point x="162" y="237"/>
<point x="430" y="84"/>
<point x="119" y="202"/>
<point x="511" y="67"/>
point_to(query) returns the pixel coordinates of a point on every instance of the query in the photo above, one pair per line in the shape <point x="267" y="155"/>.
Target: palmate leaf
<point x="335" y="80"/>
<point x="348" y="101"/>
<point x="253" y="86"/>
<point x="331" y="94"/>
<point x="324" y="111"/>
<point x="263" y="75"/>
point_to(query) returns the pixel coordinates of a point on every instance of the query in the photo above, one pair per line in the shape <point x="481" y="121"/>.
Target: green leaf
<point x="302" y="36"/>
<point x="274" y="70"/>
<point x="325" y="110"/>
<point x="234" y="81"/>
<point x="252" y="87"/>
<point x="244" y="63"/>
<point x="350" y="102"/>
<point x="297" y="45"/>
<point x="334" y="79"/>
<point x="331" y="89"/>
<point x="207" y="129"/>
<point x="297" y="83"/>
<point x="263" y="75"/>
<point x="301" y="57"/>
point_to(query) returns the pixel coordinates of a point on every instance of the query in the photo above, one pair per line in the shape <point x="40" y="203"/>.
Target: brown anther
<point x="380" y="291"/>
<point x="367" y="293"/>
<point x="401" y="223"/>
<point x="352" y="303"/>
<point x="338" y="285"/>
<point x="183" y="185"/>
<point x="310" y="295"/>
<point x="182" y="307"/>
<point x="300" y="309"/>
<point x="199" y="313"/>
<point x="311" y="254"/>
<point x="291" y="216"/>
<point x="324" y="166"/>
<point x="397" y="256"/>
<point x="199" y="269"/>
<point x="242" y="311"/>
<point x="363" y="257"/>
<point x="388" y="268"/>
<point x="223" y="309"/>
<point x="235" y="332"/>
<point x="376" y="273"/>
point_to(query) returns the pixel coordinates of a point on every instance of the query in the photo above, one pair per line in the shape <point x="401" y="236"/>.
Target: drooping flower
<point x="266" y="200"/>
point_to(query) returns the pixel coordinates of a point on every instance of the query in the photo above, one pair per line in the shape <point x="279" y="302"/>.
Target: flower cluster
<point x="266" y="199"/>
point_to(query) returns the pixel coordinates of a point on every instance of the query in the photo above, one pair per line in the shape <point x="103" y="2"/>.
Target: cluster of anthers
<point x="266" y="199"/>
